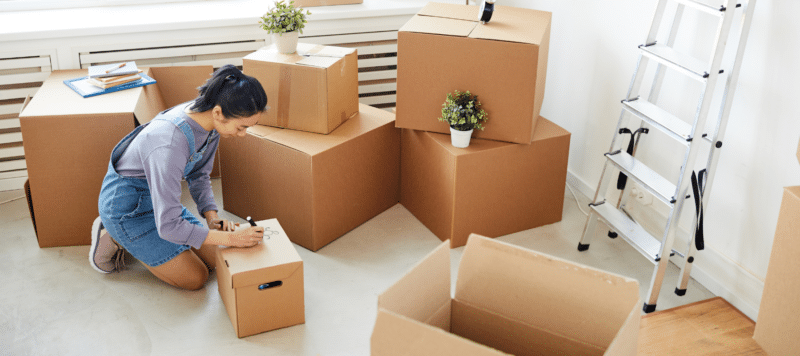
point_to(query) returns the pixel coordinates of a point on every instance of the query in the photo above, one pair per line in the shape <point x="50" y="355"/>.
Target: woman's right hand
<point x="248" y="237"/>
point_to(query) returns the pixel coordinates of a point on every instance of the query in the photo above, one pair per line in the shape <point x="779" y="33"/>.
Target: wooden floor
<point x="708" y="327"/>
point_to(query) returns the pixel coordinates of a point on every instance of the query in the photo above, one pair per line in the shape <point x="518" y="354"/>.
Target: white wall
<point x="593" y="53"/>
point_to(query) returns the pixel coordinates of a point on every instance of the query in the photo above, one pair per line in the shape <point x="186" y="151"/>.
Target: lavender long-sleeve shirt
<point x="160" y="154"/>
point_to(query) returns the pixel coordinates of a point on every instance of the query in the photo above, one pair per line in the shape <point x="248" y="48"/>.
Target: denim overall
<point x="126" y="208"/>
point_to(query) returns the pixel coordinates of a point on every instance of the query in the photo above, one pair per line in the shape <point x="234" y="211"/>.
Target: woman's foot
<point x="105" y="255"/>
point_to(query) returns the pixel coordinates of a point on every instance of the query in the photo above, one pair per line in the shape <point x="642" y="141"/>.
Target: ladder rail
<point x="683" y="181"/>
<point x="719" y="132"/>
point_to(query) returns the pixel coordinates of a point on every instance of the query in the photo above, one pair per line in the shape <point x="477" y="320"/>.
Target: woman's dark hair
<point x="238" y="95"/>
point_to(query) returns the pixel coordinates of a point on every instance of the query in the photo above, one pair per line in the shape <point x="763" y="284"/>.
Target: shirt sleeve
<point x="199" y="180"/>
<point x="163" y="168"/>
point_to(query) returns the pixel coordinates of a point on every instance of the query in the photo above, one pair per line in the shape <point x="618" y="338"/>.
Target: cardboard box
<point x="778" y="328"/>
<point x="262" y="286"/>
<point x="314" y="93"/>
<point x="491" y="188"/>
<point x="68" y="141"/>
<point x="443" y="48"/>
<point x="318" y="186"/>
<point x="312" y="3"/>
<point x="507" y="300"/>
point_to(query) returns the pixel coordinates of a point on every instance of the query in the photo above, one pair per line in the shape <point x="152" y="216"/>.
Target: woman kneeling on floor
<point x="140" y="201"/>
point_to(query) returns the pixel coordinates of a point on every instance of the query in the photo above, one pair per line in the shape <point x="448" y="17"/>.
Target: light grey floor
<point x="53" y="303"/>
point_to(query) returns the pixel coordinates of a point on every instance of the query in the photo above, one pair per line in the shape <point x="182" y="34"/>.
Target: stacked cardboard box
<point x="318" y="161"/>
<point x="68" y="141"/>
<point x="513" y="174"/>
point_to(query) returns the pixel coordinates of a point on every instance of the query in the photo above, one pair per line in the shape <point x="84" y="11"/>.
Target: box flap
<point x="151" y="101"/>
<point x="451" y="11"/>
<point x="62" y="101"/>
<point x="515" y="25"/>
<point x="262" y="130"/>
<point x="304" y="51"/>
<point x="319" y="62"/>
<point x="626" y="342"/>
<point x="274" y="259"/>
<point x="367" y="119"/>
<point x="396" y="335"/>
<point x="422" y="292"/>
<point x="508" y="23"/>
<point x="439" y="26"/>
<point x="504" y="279"/>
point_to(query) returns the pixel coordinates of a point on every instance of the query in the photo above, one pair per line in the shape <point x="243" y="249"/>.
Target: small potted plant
<point x="285" y="22"/>
<point x="462" y="111"/>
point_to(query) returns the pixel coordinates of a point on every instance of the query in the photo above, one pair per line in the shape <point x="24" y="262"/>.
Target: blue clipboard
<point x="86" y="89"/>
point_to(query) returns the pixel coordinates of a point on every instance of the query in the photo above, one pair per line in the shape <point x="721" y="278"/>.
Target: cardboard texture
<point x="319" y="186"/>
<point x="262" y="286"/>
<point x="314" y="90"/>
<point x="507" y="300"/>
<point x="313" y="3"/>
<point x="778" y="328"/>
<point x="68" y="141"/>
<point x="491" y="188"/>
<point x="443" y="48"/>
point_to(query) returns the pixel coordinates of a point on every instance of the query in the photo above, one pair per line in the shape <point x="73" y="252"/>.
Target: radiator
<point x="21" y="74"/>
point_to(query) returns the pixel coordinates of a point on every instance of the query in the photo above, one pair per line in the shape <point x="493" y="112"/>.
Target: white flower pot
<point x="286" y="42"/>
<point x="460" y="139"/>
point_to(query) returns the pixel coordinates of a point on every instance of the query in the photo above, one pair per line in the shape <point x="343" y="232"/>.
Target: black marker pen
<point x="252" y="223"/>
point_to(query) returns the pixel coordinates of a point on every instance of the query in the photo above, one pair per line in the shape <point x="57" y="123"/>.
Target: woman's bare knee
<point x="185" y="271"/>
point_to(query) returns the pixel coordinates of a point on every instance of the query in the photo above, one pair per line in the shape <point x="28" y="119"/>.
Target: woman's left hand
<point x="223" y="225"/>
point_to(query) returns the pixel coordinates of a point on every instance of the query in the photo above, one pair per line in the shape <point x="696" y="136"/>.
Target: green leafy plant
<point x="462" y="111"/>
<point x="284" y="18"/>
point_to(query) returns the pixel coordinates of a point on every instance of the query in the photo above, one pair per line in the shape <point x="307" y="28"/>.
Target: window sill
<point x="61" y="23"/>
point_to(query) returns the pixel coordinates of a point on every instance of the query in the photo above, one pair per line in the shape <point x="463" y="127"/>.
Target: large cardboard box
<point x="262" y="286"/>
<point x="491" y="188"/>
<point x="778" y="327"/>
<point x="318" y="186"/>
<point x="444" y="48"/>
<point x="314" y="89"/>
<point x="507" y="300"/>
<point x="68" y="141"/>
<point x="311" y="3"/>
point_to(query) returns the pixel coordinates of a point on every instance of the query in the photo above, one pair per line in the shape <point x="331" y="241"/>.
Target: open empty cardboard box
<point x="508" y="300"/>
<point x="491" y="188"/>
<point x="444" y="48"/>
<point x="262" y="286"/>
<point x="314" y="89"/>
<point x="778" y="327"/>
<point x="68" y="141"/>
<point x="319" y="186"/>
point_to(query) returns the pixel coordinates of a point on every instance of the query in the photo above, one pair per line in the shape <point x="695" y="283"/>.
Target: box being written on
<point x="262" y="286"/>
<point x="507" y="300"/>
<point x="68" y="141"/>
<point x="504" y="62"/>
<point x="318" y="186"/>
<point x="314" y="89"/>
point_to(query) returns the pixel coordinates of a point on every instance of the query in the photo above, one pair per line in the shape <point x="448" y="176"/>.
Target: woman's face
<point x="232" y="127"/>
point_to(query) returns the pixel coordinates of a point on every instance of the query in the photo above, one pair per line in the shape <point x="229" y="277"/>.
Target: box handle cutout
<point x="270" y="285"/>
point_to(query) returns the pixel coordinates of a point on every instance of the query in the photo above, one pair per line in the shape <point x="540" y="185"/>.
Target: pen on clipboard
<point x="115" y="68"/>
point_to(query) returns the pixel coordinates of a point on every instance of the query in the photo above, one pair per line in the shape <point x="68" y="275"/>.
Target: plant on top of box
<point x="462" y="111"/>
<point x="285" y="22"/>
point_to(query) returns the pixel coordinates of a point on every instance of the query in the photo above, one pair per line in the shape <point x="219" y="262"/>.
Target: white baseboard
<point x="712" y="269"/>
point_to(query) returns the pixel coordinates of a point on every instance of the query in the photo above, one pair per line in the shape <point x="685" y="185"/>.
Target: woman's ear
<point x="216" y="113"/>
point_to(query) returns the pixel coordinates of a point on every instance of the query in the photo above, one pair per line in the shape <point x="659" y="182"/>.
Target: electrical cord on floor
<point x="576" y="200"/>
<point x="10" y="200"/>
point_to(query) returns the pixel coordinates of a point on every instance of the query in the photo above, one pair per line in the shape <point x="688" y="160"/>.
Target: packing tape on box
<point x="284" y="93"/>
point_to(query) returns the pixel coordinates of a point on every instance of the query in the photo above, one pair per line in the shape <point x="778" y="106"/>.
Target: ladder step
<point x="660" y="187"/>
<point x="630" y="231"/>
<point x="654" y="115"/>
<point x="689" y="65"/>
<point x="716" y="11"/>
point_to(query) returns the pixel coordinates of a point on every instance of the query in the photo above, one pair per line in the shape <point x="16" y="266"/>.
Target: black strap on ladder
<point x="623" y="179"/>
<point x="699" y="186"/>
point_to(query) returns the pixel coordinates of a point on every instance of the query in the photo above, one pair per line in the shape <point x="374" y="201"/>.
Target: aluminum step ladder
<point x="690" y="135"/>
